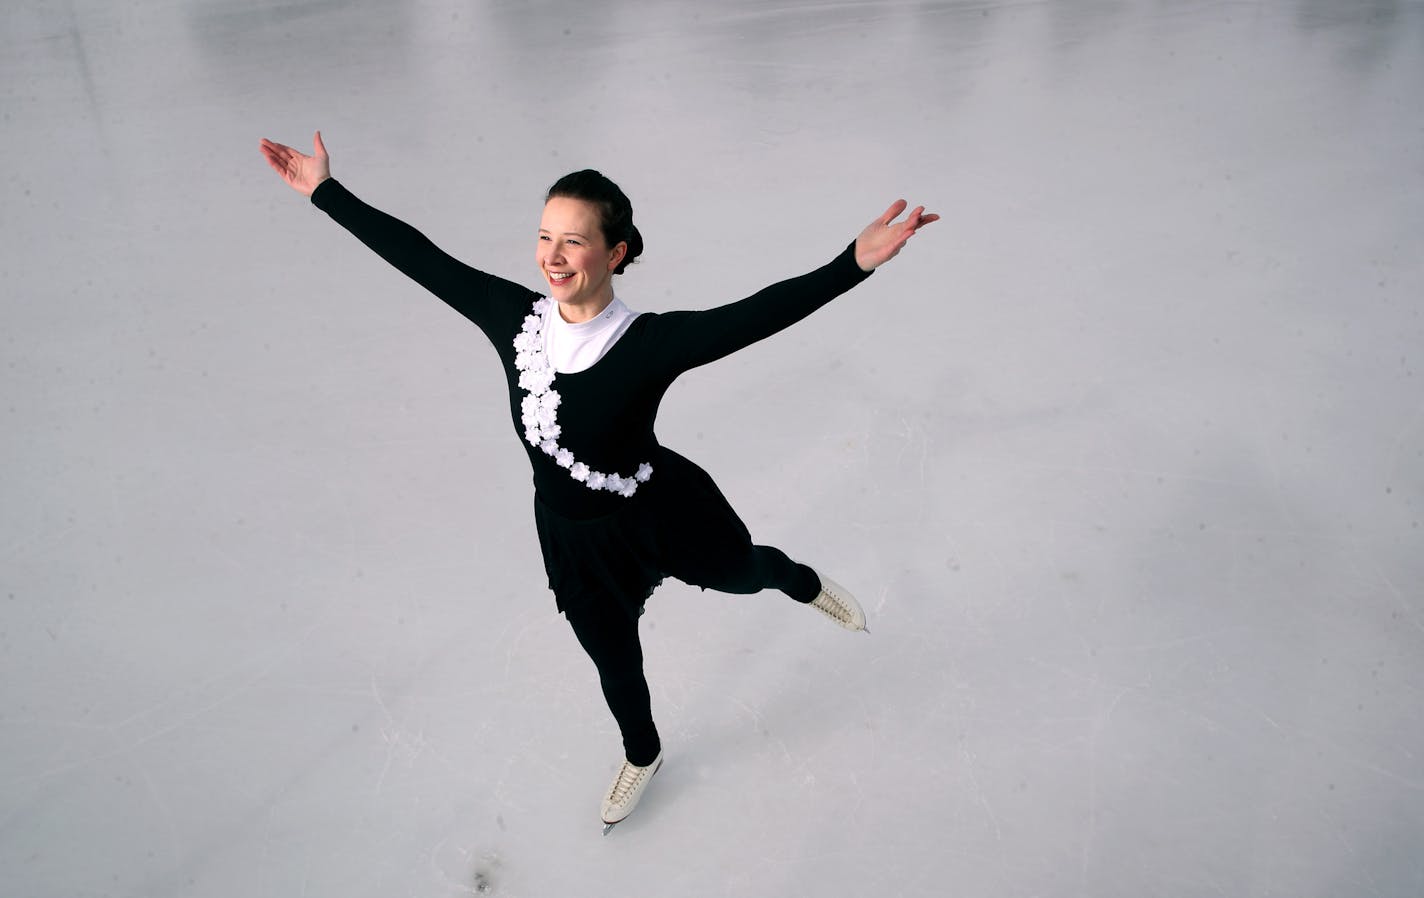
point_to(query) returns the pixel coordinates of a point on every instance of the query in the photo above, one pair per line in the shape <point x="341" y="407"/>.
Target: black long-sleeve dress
<point x="602" y="543"/>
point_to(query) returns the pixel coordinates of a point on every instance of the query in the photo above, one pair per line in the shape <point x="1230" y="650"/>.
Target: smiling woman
<point x="585" y="235"/>
<point x="616" y="511"/>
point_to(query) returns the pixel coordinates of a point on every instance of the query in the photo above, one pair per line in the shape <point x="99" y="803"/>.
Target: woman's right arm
<point x="465" y="289"/>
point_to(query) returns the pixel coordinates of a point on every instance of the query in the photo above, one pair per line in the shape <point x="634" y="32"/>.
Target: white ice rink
<point x="1125" y="456"/>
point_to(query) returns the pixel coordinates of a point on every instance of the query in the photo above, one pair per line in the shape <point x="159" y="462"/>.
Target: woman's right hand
<point x="301" y="171"/>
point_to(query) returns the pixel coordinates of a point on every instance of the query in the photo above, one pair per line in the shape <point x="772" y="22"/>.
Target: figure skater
<point x="615" y="511"/>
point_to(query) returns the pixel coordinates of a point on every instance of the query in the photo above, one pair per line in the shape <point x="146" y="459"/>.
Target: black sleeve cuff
<point x="326" y="192"/>
<point x="846" y="263"/>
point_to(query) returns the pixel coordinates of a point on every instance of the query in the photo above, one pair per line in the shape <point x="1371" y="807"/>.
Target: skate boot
<point x="625" y="791"/>
<point x="838" y="604"/>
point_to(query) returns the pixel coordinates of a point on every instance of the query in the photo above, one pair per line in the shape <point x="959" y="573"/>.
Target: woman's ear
<point x="616" y="255"/>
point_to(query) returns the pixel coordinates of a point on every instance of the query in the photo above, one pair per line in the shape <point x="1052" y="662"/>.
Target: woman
<point x="615" y="511"/>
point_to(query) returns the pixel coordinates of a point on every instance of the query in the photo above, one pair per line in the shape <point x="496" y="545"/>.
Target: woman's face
<point x="572" y="254"/>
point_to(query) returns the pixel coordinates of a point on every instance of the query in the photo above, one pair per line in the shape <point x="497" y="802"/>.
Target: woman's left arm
<point x="884" y="237"/>
<point x="690" y="339"/>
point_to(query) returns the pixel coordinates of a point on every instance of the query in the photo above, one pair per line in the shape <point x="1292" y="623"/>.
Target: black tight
<point x="610" y="637"/>
<point x="747" y="570"/>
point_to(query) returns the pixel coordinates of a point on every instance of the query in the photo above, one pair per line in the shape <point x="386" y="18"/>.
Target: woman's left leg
<point x="704" y="542"/>
<point x="716" y="551"/>
<point x="749" y="568"/>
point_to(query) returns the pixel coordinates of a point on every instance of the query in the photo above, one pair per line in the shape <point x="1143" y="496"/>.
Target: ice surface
<point x="1125" y="456"/>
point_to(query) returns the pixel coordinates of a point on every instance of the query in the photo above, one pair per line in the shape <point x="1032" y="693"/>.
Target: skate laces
<point x="833" y="605"/>
<point x="627" y="783"/>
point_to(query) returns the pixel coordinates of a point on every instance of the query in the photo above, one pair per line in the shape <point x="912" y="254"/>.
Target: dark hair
<point x="615" y="213"/>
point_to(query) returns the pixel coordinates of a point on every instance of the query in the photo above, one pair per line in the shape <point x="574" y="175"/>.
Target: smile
<point x="559" y="278"/>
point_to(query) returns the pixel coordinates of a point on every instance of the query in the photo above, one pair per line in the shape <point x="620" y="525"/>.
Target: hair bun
<point x="635" y="248"/>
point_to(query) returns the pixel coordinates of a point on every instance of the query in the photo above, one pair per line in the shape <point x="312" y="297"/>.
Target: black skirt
<point x="678" y="524"/>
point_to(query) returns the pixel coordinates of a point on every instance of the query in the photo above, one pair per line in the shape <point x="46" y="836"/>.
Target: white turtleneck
<point x="576" y="347"/>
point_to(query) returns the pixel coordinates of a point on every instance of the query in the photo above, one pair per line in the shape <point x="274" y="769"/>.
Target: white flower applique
<point x="538" y="410"/>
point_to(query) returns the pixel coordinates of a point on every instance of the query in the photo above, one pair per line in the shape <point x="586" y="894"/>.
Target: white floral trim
<point x="539" y="408"/>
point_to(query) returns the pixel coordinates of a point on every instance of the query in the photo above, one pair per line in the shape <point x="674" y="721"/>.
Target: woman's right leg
<point x="610" y="638"/>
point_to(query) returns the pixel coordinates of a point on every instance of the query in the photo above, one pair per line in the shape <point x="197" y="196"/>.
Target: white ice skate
<point x="627" y="788"/>
<point x="836" y="602"/>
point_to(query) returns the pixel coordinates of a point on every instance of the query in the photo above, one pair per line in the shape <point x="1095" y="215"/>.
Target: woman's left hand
<point x="884" y="237"/>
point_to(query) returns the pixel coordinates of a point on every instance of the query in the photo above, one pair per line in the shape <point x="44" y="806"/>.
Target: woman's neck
<point x="586" y="310"/>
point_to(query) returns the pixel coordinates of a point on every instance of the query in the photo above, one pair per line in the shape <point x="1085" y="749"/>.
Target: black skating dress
<point x="600" y="545"/>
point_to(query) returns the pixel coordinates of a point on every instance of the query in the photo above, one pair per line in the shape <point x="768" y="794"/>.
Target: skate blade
<point x="608" y="828"/>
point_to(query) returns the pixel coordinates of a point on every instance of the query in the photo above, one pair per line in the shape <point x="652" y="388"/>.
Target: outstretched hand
<point x="301" y="171"/>
<point x="884" y="237"/>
